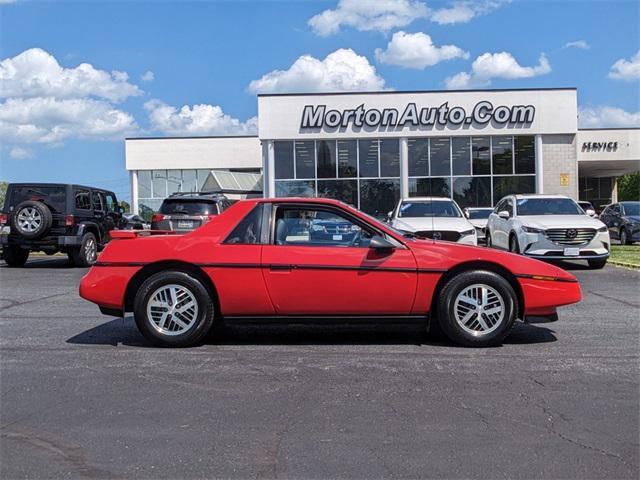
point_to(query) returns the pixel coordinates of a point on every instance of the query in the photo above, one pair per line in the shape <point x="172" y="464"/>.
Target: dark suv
<point x="183" y="212"/>
<point x="54" y="217"/>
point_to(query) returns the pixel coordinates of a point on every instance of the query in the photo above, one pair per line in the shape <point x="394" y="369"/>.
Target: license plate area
<point x="185" y="224"/>
<point x="571" y="252"/>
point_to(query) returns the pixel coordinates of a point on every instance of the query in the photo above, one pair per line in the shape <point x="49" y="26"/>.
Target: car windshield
<point x="548" y="206"/>
<point x="188" y="207"/>
<point x="428" y="208"/>
<point x="631" y="208"/>
<point x="52" y="196"/>
<point x="478" y="214"/>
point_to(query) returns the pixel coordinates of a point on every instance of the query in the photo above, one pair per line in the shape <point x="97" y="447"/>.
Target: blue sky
<point x="193" y="68"/>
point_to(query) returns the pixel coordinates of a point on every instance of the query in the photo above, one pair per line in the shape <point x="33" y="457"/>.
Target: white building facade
<point x="370" y="149"/>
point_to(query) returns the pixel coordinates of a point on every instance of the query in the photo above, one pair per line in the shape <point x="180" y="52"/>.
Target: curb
<point x="632" y="266"/>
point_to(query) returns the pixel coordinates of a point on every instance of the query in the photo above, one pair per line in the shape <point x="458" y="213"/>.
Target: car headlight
<point x="532" y="230"/>
<point x="468" y="232"/>
<point x="603" y="229"/>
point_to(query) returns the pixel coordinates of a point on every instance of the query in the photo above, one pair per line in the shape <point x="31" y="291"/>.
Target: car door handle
<point x="280" y="268"/>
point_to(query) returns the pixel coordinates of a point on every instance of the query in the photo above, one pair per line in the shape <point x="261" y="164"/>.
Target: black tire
<point x="15" y="256"/>
<point x="514" y="247"/>
<point x="39" y="214"/>
<point x="447" y="304"/>
<point x="196" y="331"/>
<point x="597" y="264"/>
<point x="624" y="237"/>
<point x="487" y="239"/>
<point x="87" y="254"/>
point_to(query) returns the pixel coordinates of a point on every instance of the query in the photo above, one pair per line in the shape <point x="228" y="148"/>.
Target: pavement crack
<point x="15" y="303"/>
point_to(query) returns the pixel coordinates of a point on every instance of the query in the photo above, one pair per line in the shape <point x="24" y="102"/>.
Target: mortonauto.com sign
<point x="319" y="116"/>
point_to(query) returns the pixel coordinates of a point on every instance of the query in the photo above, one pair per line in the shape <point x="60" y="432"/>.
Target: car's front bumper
<point x="537" y="245"/>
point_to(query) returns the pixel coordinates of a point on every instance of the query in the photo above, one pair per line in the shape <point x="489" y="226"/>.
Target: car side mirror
<point x="504" y="214"/>
<point x="591" y="213"/>
<point x="380" y="244"/>
<point x="390" y="216"/>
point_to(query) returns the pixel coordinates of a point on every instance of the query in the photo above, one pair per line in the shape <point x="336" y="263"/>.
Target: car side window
<point x="499" y="207"/>
<point x="508" y="206"/>
<point x="247" y="232"/>
<point x="82" y="199"/>
<point x="318" y="228"/>
<point x="615" y="209"/>
<point x="110" y="202"/>
<point x="97" y="200"/>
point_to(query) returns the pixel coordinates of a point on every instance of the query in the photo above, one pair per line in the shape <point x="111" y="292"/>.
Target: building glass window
<point x="430" y="187"/>
<point x="202" y="178"/>
<point x="472" y="191"/>
<point x="174" y="181"/>
<point x="144" y="183"/>
<point x="461" y="155"/>
<point x="326" y="155"/>
<point x="305" y="158"/>
<point x="390" y="158"/>
<point x="283" y="159"/>
<point x="502" y="152"/>
<point x="343" y="190"/>
<point x="295" y="188"/>
<point x="189" y="181"/>
<point x="368" y="157"/>
<point x="503" y="186"/>
<point x="418" y="157"/>
<point x="481" y="155"/>
<point x="159" y="183"/>
<point x="525" y="154"/>
<point x="347" y="158"/>
<point x="379" y="196"/>
<point x="440" y="156"/>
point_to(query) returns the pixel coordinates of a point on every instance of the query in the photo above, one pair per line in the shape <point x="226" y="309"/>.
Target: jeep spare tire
<point x="31" y="219"/>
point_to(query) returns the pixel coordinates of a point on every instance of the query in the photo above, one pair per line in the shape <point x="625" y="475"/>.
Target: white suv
<point x="439" y="218"/>
<point x="550" y="227"/>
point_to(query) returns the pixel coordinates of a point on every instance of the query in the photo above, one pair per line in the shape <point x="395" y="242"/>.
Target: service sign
<point x="397" y="114"/>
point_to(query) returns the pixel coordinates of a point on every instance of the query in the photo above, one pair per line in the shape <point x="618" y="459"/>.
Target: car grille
<point x="570" y="236"/>
<point x="447" y="235"/>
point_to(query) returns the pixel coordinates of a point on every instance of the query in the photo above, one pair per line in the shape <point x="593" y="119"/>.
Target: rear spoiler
<point x="124" y="234"/>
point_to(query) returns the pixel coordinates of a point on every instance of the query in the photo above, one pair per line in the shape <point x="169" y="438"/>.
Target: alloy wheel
<point x="479" y="309"/>
<point x="90" y="250"/>
<point x="172" y="309"/>
<point x="29" y="219"/>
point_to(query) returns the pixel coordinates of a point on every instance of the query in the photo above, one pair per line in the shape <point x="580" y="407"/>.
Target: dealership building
<point x="370" y="149"/>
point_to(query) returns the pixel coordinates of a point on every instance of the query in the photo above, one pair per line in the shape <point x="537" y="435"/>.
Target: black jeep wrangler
<point x="53" y="217"/>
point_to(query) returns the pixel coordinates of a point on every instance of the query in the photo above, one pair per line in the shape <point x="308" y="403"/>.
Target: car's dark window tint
<point x="508" y="206"/>
<point x="111" y="202"/>
<point x="97" y="201"/>
<point x="548" y="206"/>
<point x="82" y="199"/>
<point x="53" y="197"/>
<point x="187" y="207"/>
<point x="248" y="230"/>
<point x="317" y="228"/>
<point x="630" y="208"/>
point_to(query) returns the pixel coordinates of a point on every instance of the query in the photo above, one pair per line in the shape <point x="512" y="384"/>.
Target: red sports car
<point x="317" y="259"/>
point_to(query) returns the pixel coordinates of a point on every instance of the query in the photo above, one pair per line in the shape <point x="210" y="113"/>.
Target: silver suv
<point x="184" y="212"/>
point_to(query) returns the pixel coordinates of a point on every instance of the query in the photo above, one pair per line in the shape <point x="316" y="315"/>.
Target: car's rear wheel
<point x="513" y="244"/>
<point x="15" y="256"/>
<point x="173" y="309"/>
<point x="87" y="254"/>
<point x="597" y="264"/>
<point x="624" y="238"/>
<point x="477" y="308"/>
<point x="488" y="239"/>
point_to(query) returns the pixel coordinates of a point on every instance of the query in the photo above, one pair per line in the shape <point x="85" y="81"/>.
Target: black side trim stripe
<point x="545" y="277"/>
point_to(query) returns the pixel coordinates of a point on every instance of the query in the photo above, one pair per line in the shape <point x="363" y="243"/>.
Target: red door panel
<point x="339" y="280"/>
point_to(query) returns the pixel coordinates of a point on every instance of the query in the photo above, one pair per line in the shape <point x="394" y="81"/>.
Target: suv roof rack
<point x="196" y="194"/>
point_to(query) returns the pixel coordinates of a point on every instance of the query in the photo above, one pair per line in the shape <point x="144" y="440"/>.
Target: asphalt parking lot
<point x="82" y="395"/>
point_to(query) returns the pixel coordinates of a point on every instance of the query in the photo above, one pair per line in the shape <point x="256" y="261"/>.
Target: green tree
<point x="3" y="192"/>
<point x="629" y="187"/>
<point x="125" y="206"/>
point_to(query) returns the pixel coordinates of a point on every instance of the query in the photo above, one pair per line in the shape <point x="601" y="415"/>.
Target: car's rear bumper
<point x="44" y="243"/>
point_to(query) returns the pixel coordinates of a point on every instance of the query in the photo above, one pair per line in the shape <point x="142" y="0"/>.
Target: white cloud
<point x="20" y="153"/>
<point x="416" y="50"/>
<point x="464" y="11"/>
<point x="51" y="120"/>
<point x="199" y="119"/>
<point x="581" y="44"/>
<point x="342" y="70"/>
<point x="36" y="73"/>
<point x="605" y="116"/>
<point x="496" y="65"/>
<point x="366" y="15"/>
<point x="7" y="2"/>
<point x="147" y="76"/>
<point x="625" y="69"/>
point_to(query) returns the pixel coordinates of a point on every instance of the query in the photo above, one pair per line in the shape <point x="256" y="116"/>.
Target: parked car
<point x="623" y="221"/>
<point x="248" y="265"/>
<point x="439" y="218"/>
<point x="551" y="227"/>
<point x="183" y="212"/>
<point x="587" y="207"/>
<point x="131" y="221"/>
<point x="54" y="217"/>
<point x="478" y="217"/>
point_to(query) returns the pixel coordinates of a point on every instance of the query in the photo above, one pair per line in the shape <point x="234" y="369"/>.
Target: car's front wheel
<point x="15" y="256"/>
<point x="487" y="239"/>
<point x="514" y="247"/>
<point x="624" y="239"/>
<point x="477" y="308"/>
<point x="173" y="309"/>
<point x="87" y="254"/>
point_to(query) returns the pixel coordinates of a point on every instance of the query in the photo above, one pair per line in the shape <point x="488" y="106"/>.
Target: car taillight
<point x="69" y="220"/>
<point x="158" y="217"/>
<point x="3" y="218"/>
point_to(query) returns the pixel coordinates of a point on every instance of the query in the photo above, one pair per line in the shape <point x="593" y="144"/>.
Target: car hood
<point x="431" y="224"/>
<point x="560" y="221"/>
<point x="478" y="222"/>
